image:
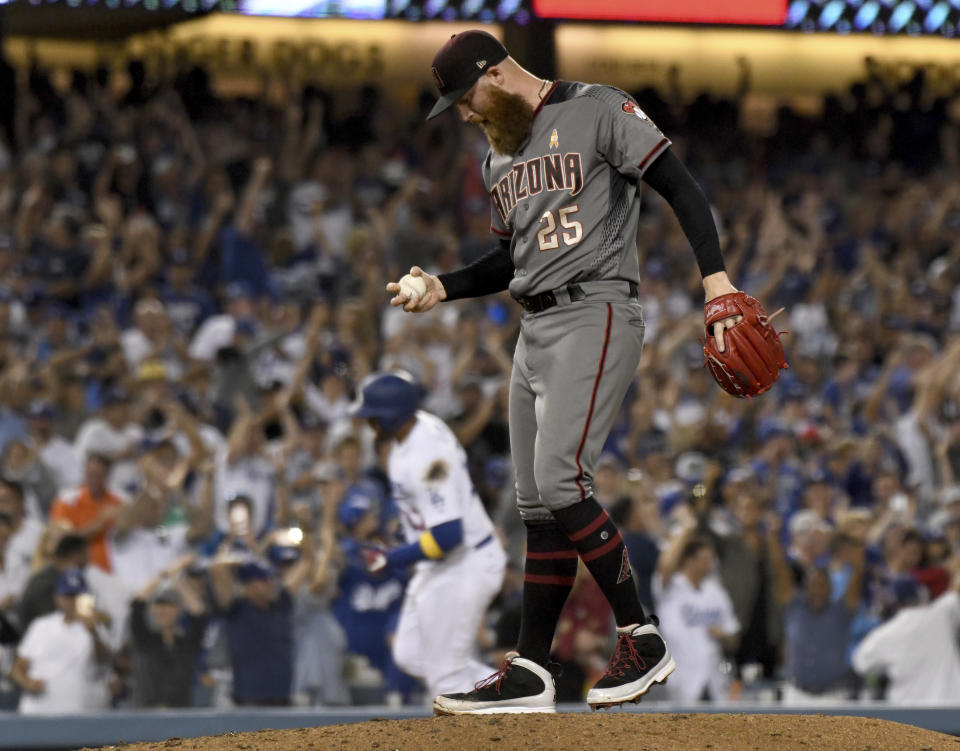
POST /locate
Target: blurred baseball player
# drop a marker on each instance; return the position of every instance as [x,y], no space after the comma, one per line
[563,172]
[368,605]
[459,561]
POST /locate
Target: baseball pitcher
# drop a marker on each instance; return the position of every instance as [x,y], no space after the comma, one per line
[564,173]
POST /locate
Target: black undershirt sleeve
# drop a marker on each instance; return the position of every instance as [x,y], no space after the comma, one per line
[488,274]
[670,178]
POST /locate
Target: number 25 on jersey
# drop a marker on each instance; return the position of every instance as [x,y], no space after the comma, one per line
[571,231]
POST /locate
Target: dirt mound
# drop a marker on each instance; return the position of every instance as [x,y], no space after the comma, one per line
[585,732]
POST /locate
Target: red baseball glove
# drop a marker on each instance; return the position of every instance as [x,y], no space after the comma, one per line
[753,356]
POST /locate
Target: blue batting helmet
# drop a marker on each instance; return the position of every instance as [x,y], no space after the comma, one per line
[391,398]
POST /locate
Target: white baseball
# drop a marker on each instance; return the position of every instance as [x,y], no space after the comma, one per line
[414,287]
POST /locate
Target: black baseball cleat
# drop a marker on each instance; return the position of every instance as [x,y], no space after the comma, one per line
[640,659]
[520,686]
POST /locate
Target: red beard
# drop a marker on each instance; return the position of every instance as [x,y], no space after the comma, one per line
[507,121]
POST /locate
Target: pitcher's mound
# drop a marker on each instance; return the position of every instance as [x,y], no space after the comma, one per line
[585,732]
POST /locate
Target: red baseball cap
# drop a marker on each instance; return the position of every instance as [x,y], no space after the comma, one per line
[460,63]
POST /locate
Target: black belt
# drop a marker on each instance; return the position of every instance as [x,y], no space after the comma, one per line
[546,300]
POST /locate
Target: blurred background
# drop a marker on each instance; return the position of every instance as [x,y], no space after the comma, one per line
[200,204]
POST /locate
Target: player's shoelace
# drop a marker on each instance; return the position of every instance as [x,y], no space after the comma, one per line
[496,678]
[625,657]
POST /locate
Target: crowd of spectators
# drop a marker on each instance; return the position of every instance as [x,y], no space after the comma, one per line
[191,286]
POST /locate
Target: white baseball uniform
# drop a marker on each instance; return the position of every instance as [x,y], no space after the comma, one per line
[686,614]
[447,598]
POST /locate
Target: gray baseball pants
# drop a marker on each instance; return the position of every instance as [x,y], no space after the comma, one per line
[571,370]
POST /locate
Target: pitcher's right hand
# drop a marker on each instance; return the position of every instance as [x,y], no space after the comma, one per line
[435,293]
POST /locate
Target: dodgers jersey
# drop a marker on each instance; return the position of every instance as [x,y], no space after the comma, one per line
[686,615]
[431,485]
[569,199]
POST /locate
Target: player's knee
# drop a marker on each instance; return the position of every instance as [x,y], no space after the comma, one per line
[527,498]
[526,487]
[530,506]
[557,484]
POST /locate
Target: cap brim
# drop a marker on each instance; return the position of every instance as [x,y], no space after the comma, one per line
[447,101]
[359,408]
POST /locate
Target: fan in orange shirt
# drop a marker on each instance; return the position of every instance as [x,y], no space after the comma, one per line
[91,510]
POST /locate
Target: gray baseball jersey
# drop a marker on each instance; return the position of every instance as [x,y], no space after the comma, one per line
[569,198]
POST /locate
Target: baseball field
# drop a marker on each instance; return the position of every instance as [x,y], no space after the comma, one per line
[576,732]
